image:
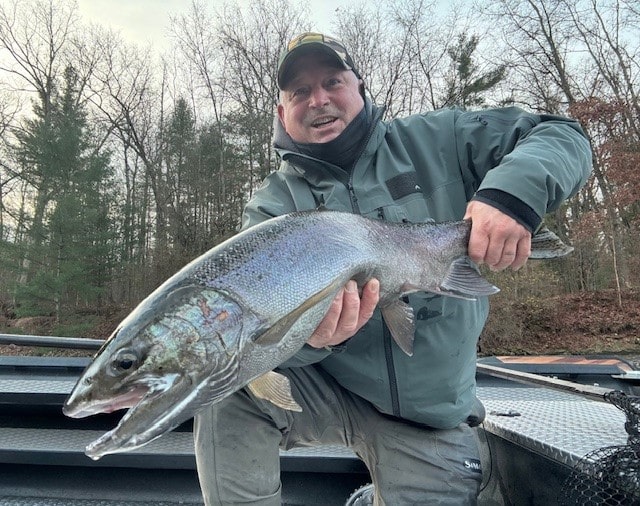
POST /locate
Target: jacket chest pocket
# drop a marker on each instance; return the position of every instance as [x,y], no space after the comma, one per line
[412,208]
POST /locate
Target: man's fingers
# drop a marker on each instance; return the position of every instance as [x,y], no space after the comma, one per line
[347,314]
[502,253]
[523,253]
[369,301]
[512,253]
[478,246]
[323,334]
[496,239]
[348,321]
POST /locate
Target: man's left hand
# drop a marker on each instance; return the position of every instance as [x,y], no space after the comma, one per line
[496,239]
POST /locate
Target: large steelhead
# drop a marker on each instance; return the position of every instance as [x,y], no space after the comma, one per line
[231,316]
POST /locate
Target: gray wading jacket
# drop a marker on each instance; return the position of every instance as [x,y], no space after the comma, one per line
[422,167]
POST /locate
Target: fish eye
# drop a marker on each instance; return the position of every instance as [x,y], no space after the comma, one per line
[124,361]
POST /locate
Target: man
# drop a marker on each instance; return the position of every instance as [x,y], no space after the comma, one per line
[408,418]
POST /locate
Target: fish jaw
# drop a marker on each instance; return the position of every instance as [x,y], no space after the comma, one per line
[168,403]
[143,422]
[156,404]
[100,392]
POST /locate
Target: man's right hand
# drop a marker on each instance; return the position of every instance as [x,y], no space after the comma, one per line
[348,314]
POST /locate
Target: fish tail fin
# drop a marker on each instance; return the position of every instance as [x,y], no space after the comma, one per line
[545,245]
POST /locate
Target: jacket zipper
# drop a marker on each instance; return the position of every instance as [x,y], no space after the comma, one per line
[391,370]
[352,194]
[388,356]
[353,198]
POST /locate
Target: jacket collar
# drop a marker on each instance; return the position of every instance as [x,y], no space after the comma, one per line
[305,164]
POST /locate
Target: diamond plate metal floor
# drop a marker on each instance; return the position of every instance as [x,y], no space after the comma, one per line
[557,425]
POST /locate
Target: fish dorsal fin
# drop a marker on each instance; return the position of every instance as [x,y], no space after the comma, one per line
[274,334]
[465,281]
[399,317]
[275,388]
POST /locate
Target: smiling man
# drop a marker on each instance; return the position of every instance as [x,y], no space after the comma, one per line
[320,100]
[410,418]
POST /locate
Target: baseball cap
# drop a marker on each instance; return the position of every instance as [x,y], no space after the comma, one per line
[311,40]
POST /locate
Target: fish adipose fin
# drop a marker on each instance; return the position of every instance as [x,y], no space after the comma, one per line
[399,318]
[275,388]
[465,281]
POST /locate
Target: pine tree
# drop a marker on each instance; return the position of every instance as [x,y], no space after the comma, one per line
[466,84]
[67,252]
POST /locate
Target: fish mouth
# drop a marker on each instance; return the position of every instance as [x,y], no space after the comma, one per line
[143,393]
[168,401]
[128,399]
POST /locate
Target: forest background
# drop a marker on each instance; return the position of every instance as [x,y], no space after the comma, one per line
[120,163]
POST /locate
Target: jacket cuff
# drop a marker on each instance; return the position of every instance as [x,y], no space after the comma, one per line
[511,206]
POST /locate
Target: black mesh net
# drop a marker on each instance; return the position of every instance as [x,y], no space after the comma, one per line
[609,476]
[630,405]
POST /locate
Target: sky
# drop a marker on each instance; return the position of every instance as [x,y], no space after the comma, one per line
[146,21]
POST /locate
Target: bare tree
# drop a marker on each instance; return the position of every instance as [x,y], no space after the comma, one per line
[233,54]
[128,103]
[9,181]
[537,38]
[34,35]
[581,56]
[252,44]
[401,49]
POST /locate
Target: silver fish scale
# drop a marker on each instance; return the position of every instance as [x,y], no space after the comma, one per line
[319,248]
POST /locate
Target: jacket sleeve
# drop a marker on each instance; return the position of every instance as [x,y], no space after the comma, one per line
[524,164]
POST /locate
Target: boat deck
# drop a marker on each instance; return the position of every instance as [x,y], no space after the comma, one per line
[49,448]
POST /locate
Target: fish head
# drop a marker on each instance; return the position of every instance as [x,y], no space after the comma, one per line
[177,347]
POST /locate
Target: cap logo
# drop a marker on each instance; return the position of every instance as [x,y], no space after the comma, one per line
[309,37]
[304,39]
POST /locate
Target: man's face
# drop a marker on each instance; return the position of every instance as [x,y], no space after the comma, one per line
[319,100]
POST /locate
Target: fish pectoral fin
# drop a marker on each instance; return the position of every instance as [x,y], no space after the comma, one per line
[274,334]
[275,388]
[399,317]
[465,281]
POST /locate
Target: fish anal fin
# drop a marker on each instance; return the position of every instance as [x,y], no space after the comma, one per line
[399,317]
[275,388]
[465,281]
